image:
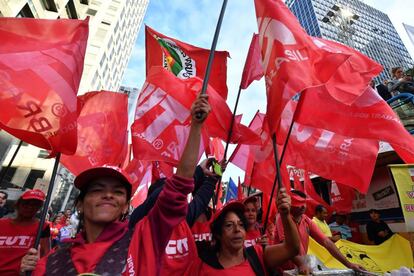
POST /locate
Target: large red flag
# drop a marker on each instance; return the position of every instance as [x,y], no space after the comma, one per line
[369,117]
[41,64]
[102,132]
[313,198]
[162,117]
[185,60]
[329,154]
[294,61]
[253,69]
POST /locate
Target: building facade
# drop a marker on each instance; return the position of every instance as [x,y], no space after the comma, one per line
[113,29]
[356,24]
[132,93]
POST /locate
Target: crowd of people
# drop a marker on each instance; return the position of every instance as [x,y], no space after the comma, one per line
[166,235]
[399,83]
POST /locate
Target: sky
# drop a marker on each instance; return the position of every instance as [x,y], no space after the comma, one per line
[194,22]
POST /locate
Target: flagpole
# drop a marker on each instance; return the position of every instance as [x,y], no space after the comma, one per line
[4,173]
[46,205]
[212,50]
[278,177]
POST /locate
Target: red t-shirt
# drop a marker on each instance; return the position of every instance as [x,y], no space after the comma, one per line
[148,240]
[201,231]
[15,241]
[199,268]
[180,251]
[251,237]
[306,227]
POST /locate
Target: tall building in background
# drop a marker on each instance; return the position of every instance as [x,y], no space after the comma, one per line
[113,29]
[356,24]
[132,93]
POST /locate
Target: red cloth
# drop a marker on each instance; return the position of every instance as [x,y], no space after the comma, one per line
[102,131]
[41,65]
[180,251]
[253,68]
[201,231]
[148,240]
[162,118]
[187,54]
[251,237]
[306,227]
[294,61]
[199,268]
[15,241]
[341,198]
[370,117]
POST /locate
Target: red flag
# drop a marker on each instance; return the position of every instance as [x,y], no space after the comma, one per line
[220,195]
[140,175]
[102,132]
[329,154]
[161,170]
[240,194]
[217,148]
[296,181]
[162,117]
[41,63]
[253,69]
[313,198]
[265,205]
[185,60]
[369,117]
[294,61]
[342,197]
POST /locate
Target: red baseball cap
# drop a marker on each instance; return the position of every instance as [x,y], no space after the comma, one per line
[85,177]
[33,194]
[230,206]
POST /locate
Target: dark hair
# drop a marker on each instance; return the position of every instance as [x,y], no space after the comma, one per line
[217,225]
[319,208]
[6,195]
[299,193]
[373,211]
[394,70]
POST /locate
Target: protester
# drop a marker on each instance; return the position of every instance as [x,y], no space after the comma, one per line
[3,200]
[68,231]
[382,90]
[253,231]
[17,235]
[377,230]
[306,229]
[321,214]
[227,254]
[55,225]
[339,226]
[181,248]
[105,244]
[400,83]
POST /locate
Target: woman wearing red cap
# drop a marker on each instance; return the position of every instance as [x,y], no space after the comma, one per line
[228,256]
[105,244]
[17,235]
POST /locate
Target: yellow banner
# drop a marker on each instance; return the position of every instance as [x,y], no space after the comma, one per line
[390,255]
[404,180]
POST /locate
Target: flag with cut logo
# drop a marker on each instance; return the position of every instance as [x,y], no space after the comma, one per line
[185,60]
[102,132]
[41,64]
[140,174]
[162,118]
[294,61]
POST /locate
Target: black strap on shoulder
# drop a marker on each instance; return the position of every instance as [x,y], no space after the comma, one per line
[254,261]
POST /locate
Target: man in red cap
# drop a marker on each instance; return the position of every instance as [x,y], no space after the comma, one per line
[17,235]
[306,227]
